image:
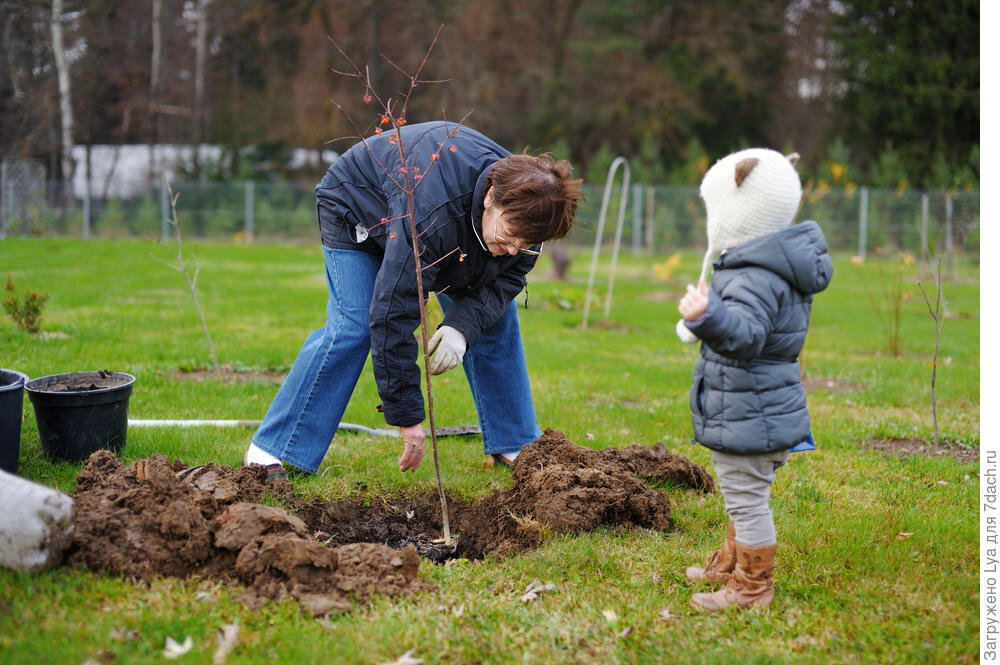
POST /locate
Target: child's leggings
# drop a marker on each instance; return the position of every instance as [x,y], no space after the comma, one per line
[745,481]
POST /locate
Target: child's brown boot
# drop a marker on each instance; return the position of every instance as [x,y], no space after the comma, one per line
[720,563]
[751,584]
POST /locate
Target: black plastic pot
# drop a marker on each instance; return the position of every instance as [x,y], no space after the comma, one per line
[11,400]
[81,412]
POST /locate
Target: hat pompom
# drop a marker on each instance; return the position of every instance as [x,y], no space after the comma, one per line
[684,334]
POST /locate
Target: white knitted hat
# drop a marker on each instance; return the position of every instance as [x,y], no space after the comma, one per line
[747,194]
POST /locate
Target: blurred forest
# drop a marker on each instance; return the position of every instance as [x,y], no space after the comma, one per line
[876,92]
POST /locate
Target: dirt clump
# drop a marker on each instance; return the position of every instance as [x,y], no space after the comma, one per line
[564,487]
[657,463]
[157,518]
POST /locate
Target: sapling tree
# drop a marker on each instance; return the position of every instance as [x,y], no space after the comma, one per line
[938,315]
[27,315]
[407,179]
[190,269]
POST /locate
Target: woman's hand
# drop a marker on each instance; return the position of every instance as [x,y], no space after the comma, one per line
[413,447]
[694,304]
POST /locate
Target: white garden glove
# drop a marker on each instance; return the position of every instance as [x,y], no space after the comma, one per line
[447,347]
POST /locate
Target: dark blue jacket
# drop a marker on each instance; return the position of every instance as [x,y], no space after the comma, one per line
[363,207]
[747,396]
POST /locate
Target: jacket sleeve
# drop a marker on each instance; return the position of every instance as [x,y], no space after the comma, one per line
[394,315]
[738,321]
[475,312]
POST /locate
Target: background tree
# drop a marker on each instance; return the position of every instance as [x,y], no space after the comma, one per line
[910,73]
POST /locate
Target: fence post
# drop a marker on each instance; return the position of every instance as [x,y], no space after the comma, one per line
[3,199]
[636,218]
[164,212]
[649,219]
[863,225]
[248,212]
[925,253]
[86,202]
[949,241]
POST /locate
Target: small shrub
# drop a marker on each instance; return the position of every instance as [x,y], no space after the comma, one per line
[29,315]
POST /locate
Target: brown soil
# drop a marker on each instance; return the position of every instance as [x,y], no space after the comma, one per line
[903,448]
[564,487]
[156,518]
[84,381]
[229,374]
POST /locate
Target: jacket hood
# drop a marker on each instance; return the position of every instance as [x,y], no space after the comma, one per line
[798,254]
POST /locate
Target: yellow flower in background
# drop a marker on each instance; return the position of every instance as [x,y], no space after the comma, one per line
[819,191]
[837,171]
[857,260]
[850,188]
[906,259]
[665,271]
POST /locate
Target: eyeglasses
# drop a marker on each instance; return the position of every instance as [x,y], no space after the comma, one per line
[507,243]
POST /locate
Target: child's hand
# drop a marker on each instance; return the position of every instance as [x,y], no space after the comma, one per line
[695,302]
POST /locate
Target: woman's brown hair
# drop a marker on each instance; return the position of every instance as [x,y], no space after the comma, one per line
[537,194]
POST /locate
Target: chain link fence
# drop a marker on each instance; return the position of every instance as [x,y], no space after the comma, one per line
[659,219]
[23,196]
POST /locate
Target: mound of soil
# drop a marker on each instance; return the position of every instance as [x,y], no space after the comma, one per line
[156,518]
[564,487]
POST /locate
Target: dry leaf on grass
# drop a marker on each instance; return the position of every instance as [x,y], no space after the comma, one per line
[174,650]
[122,635]
[903,535]
[535,588]
[225,641]
[406,659]
[610,615]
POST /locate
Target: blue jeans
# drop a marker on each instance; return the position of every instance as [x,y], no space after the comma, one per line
[304,415]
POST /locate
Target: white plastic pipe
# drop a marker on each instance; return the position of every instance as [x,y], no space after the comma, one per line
[347,427]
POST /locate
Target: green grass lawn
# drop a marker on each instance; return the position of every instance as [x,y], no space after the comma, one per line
[849,588]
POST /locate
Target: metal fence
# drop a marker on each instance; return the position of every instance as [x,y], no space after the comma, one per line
[657,218]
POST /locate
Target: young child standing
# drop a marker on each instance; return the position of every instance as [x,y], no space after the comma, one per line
[747,399]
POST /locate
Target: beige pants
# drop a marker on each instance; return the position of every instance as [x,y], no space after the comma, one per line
[745,482]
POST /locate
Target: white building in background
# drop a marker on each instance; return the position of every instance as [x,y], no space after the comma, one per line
[124,170]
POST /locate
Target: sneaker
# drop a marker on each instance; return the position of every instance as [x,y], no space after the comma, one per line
[276,472]
[491,461]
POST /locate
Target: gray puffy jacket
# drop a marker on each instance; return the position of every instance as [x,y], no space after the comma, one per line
[747,396]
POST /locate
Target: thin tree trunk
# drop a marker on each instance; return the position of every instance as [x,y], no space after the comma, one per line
[199,83]
[65,99]
[154,86]
[8,49]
